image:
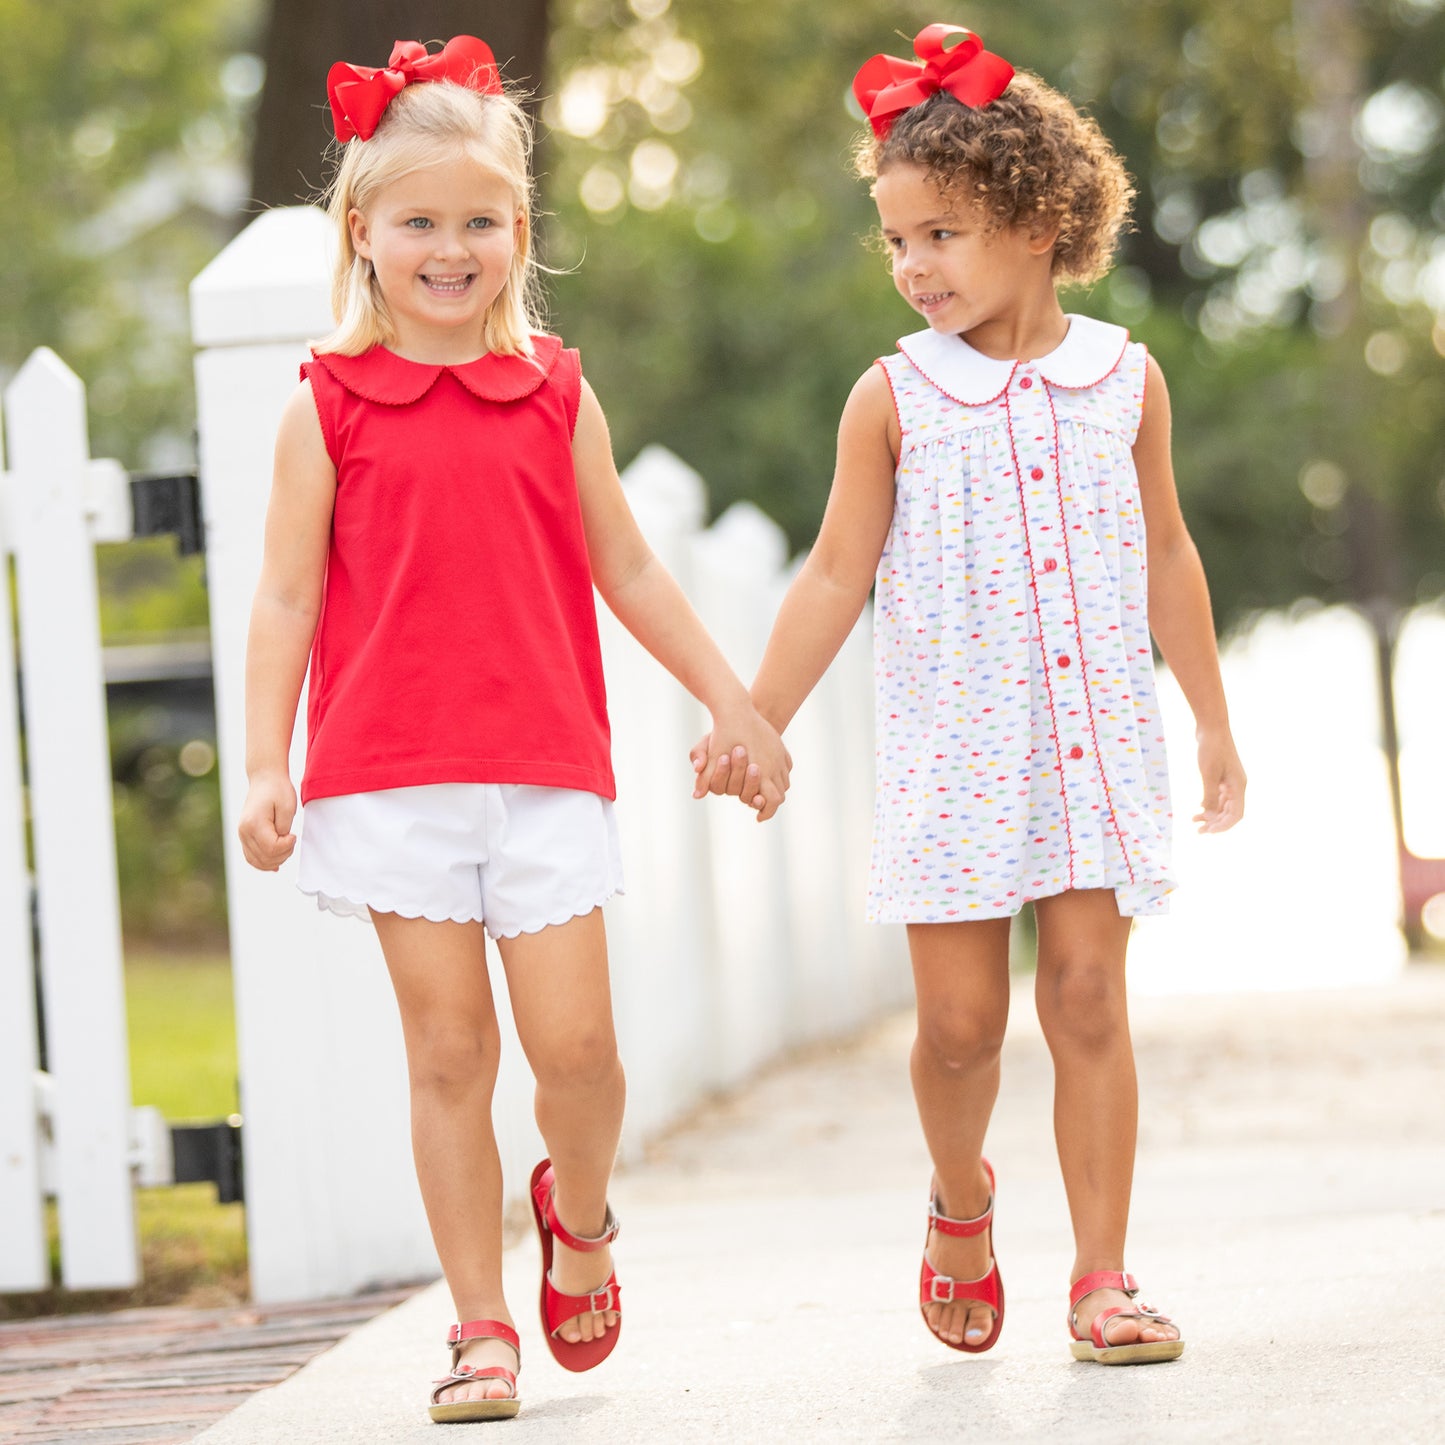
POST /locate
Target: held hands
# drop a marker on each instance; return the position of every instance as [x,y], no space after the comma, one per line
[265,827]
[1224,783]
[755,770]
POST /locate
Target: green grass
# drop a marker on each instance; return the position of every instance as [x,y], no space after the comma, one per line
[182,1027]
[182,1061]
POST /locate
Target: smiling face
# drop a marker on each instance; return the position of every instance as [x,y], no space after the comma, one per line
[956,267]
[441,241]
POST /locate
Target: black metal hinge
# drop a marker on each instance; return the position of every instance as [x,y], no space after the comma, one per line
[164,502]
[210,1152]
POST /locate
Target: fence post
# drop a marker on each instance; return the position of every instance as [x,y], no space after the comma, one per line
[331,1196]
[23,1257]
[72,820]
[661,934]
[738,564]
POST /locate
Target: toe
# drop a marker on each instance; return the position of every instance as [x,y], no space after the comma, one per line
[980,1322]
[947,1321]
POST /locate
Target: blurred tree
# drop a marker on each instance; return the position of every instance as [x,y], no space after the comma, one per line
[114,190]
[305,37]
[710,234]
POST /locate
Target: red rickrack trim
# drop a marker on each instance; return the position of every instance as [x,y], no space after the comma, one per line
[1079,645]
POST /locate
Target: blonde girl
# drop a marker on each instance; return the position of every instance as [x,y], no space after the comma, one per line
[444,503]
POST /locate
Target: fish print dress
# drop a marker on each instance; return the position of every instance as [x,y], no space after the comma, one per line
[1020,752]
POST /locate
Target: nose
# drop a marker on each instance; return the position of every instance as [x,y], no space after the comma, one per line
[908,265]
[448,244]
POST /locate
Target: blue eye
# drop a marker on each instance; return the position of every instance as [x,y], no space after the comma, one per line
[480,222]
[419,222]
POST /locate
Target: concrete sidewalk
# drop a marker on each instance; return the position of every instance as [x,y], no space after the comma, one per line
[1289,1212]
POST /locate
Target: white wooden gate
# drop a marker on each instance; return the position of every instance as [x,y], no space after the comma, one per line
[55,503]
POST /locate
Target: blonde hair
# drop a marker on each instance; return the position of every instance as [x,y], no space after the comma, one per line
[1029,158]
[425,125]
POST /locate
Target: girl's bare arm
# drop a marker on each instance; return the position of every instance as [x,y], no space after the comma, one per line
[648,602]
[283,623]
[1180,616]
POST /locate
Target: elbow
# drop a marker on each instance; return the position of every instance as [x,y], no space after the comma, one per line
[613,583]
[848,586]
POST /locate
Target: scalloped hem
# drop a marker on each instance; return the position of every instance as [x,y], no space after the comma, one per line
[562,916]
[344,907]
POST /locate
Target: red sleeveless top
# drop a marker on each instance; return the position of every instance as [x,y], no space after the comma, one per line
[458,634]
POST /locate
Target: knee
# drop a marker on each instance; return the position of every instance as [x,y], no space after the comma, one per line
[451,1063]
[959,1040]
[577,1059]
[1083,1005]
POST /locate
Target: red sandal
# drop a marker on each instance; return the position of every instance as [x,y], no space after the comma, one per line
[935,1288]
[456,1412]
[1095,1346]
[558,1308]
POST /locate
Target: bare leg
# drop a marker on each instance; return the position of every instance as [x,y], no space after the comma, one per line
[439,972]
[1083,1008]
[562,1003]
[960,975]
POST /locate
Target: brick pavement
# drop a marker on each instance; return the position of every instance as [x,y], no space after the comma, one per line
[158,1376]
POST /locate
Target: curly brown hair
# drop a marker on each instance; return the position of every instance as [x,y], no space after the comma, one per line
[1029,157]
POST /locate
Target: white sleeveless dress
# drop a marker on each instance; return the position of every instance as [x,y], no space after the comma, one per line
[1019,746]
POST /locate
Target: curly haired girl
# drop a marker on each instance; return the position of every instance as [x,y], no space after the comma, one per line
[1006,480]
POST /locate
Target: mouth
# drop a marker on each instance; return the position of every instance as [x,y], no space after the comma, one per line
[447,285]
[927,301]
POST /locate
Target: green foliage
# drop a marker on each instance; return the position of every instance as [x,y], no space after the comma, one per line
[713,242]
[725,309]
[115,126]
[167,799]
[146,587]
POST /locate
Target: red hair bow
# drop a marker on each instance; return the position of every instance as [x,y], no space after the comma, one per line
[359,94]
[953,60]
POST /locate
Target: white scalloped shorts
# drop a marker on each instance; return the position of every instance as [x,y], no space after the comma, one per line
[510,856]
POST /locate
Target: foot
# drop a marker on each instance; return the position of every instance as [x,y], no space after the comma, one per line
[1120,1330]
[961,1321]
[480,1354]
[576,1273]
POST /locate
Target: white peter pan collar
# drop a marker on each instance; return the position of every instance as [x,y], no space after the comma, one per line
[1089,351]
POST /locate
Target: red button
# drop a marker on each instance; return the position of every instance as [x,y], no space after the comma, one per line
[1027,382]
[1037,473]
[1076,751]
[1051,564]
[1063,659]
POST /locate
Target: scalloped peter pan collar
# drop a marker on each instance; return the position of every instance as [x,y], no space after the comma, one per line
[1089,351]
[382,376]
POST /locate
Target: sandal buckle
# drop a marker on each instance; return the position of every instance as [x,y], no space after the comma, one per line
[946,1284]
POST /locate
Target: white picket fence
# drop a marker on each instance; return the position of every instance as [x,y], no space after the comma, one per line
[55,503]
[732,943]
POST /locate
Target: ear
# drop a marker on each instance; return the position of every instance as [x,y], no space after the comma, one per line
[1042,242]
[360,233]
